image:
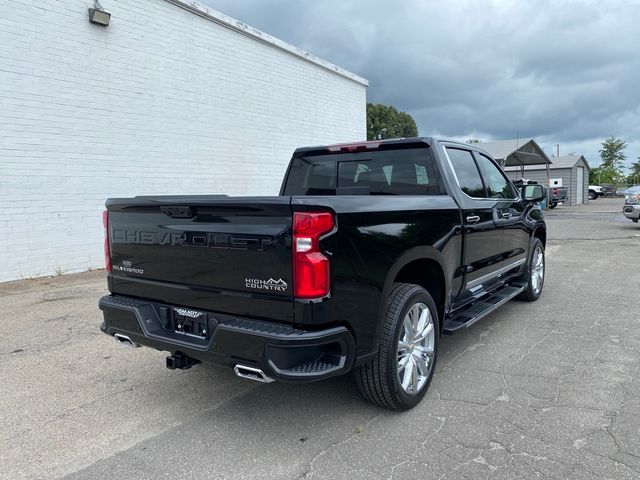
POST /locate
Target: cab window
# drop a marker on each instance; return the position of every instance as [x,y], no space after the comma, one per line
[498,186]
[467,172]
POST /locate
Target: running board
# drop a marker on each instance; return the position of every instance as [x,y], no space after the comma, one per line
[470,315]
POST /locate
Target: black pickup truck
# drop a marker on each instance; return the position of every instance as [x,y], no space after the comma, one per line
[369,254]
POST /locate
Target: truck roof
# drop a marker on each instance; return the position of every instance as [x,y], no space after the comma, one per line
[372,145]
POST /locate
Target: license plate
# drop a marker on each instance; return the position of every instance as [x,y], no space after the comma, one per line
[190,322]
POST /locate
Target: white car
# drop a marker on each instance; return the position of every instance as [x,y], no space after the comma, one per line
[596,191]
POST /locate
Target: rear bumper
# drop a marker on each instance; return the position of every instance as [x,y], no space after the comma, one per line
[282,352]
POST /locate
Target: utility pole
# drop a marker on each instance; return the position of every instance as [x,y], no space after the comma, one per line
[557,149]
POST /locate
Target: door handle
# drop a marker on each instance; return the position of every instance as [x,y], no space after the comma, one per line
[473,219]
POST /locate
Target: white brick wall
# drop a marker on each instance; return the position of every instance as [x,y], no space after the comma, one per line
[163,101]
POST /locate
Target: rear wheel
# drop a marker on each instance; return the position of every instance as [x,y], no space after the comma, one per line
[553,204]
[535,272]
[400,374]
[592,195]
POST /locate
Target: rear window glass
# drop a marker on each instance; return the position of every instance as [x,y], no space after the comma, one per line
[387,172]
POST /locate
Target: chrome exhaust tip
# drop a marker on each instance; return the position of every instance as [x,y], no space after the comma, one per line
[251,373]
[124,340]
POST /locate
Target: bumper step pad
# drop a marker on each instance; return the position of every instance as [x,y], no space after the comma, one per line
[316,366]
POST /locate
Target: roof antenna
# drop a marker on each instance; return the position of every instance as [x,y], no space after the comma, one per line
[557,149]
[517,140]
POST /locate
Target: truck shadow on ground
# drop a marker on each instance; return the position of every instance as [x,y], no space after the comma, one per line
[283,430]
[279,401]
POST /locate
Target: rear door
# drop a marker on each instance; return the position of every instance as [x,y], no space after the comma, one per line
[482,240]
[509,213]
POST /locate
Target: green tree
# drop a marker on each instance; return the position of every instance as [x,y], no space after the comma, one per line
[634,176]
[604,174]
[613,157]
[385,121]
[612,153]
[473,140]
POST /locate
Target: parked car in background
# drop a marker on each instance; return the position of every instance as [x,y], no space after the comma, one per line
[557,195]
[608,189]
[621,191]
[596,191]
[631,208]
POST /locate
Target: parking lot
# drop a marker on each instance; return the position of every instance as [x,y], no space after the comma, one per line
[544,389]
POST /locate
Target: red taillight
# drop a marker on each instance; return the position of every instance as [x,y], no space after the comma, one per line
[310,266]
[555,191]
[107,250]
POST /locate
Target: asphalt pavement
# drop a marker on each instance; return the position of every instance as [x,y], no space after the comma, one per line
[535,390]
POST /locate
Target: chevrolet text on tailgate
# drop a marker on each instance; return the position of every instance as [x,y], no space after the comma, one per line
[369,254]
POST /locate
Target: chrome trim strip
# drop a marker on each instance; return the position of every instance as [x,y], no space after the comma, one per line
[497,273]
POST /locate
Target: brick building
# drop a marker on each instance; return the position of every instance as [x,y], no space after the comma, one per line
[170,98]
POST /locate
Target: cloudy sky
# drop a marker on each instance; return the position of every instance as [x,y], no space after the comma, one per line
[564,72]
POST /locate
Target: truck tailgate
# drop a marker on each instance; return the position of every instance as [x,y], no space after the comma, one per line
[231,255]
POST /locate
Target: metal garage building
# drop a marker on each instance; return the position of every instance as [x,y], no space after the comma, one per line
[570,171]
[170,98]
[515,155]
[523,158]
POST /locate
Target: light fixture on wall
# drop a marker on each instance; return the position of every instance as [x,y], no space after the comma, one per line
[98,15]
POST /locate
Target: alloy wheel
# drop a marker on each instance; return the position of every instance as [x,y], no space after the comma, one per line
[537,270]
[416,348]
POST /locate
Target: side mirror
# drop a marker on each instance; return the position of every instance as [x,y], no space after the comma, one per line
[533,193]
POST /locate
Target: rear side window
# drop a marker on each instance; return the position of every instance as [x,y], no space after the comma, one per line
[467,172]
[497,184]
[385,172]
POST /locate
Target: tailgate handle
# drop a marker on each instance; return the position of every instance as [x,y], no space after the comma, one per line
[178,212]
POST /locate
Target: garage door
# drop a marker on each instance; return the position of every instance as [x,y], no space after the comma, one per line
[580,186]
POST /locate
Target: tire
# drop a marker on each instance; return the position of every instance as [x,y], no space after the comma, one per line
[592,195]
[553,205]
[379,379]
[534,273]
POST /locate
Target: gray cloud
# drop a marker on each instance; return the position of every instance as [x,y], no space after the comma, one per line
[560,71]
